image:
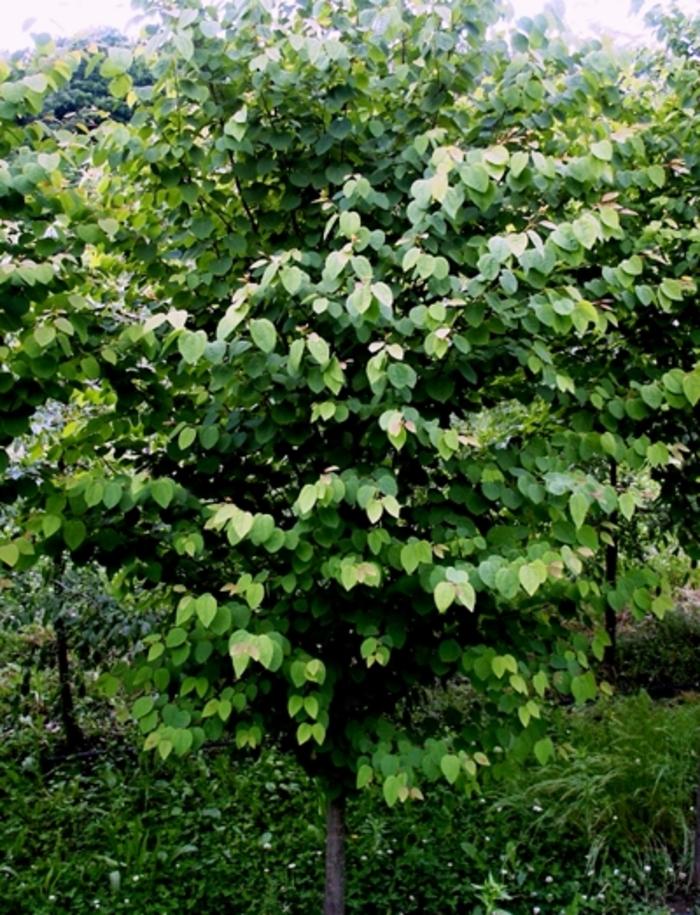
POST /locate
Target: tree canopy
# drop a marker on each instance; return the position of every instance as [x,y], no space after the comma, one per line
[368,324]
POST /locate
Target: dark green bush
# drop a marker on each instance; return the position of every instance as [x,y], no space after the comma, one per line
[662,656]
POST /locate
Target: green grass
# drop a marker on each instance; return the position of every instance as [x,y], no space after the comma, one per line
[604,829]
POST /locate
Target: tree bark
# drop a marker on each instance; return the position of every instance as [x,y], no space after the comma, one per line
[74,735]
[334,903]
[611,561]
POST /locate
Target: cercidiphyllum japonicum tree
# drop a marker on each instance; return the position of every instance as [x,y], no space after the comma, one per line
[49,328]
[677,144]
[631,393]
[341,237]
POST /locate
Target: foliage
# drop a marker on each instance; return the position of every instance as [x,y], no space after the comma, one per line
[89,97]
[661,656]
[575,837]
[99,630]
[42,245]
[330,243]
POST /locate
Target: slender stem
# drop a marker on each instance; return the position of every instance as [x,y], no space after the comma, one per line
[248,211]
[74,736]
[232,162]
[334,903]
[611,562]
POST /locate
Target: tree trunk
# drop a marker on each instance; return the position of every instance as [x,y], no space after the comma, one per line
[74,736]
[611,559]
[335,858]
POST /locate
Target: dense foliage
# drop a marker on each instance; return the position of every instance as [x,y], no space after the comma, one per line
[363,344]
[603,831]
[90,97]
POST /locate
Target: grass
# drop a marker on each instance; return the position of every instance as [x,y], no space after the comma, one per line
[603,829]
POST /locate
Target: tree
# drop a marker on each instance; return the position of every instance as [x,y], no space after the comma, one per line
[89,96]
[329,245]
[45,229]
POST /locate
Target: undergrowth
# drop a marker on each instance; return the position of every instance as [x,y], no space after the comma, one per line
[603,829]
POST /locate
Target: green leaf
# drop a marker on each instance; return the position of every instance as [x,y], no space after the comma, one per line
[108,685]
[44,335]
[544,750]
[254,595]
[292,278]
[37,82]
[391,790]
[365,774]
[205,607]
[192,345]
[93,493]
[307,499]
[241,524]
[176,637]
[118,61]
[587,230]
[165,748]
[112,494]
[651,395]
[627,503]
[444,594]
[518,163]
[450,767]
[266,651]
[466,596]
[410,558]
[9,554]
[51,524]
[633,266]
[497,155]
[540,682]
[532,575]
[74,532]
[311,706]
[672,289]
[383,294]
[264,334]
[602,150]
[163,491]
[583,687]
[476,177]
[657,454]
[109,226]
[318,349]
[691,386]
[401,375]
[186,438]
[142,707]
[230,321]
[578,508]
[183,42]
[349,223]
[657,175]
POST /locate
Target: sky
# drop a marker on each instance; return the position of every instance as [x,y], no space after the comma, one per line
[65,17]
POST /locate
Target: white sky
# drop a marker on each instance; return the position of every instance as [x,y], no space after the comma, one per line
[65,17]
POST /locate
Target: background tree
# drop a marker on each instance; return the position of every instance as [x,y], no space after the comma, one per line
[89,96]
